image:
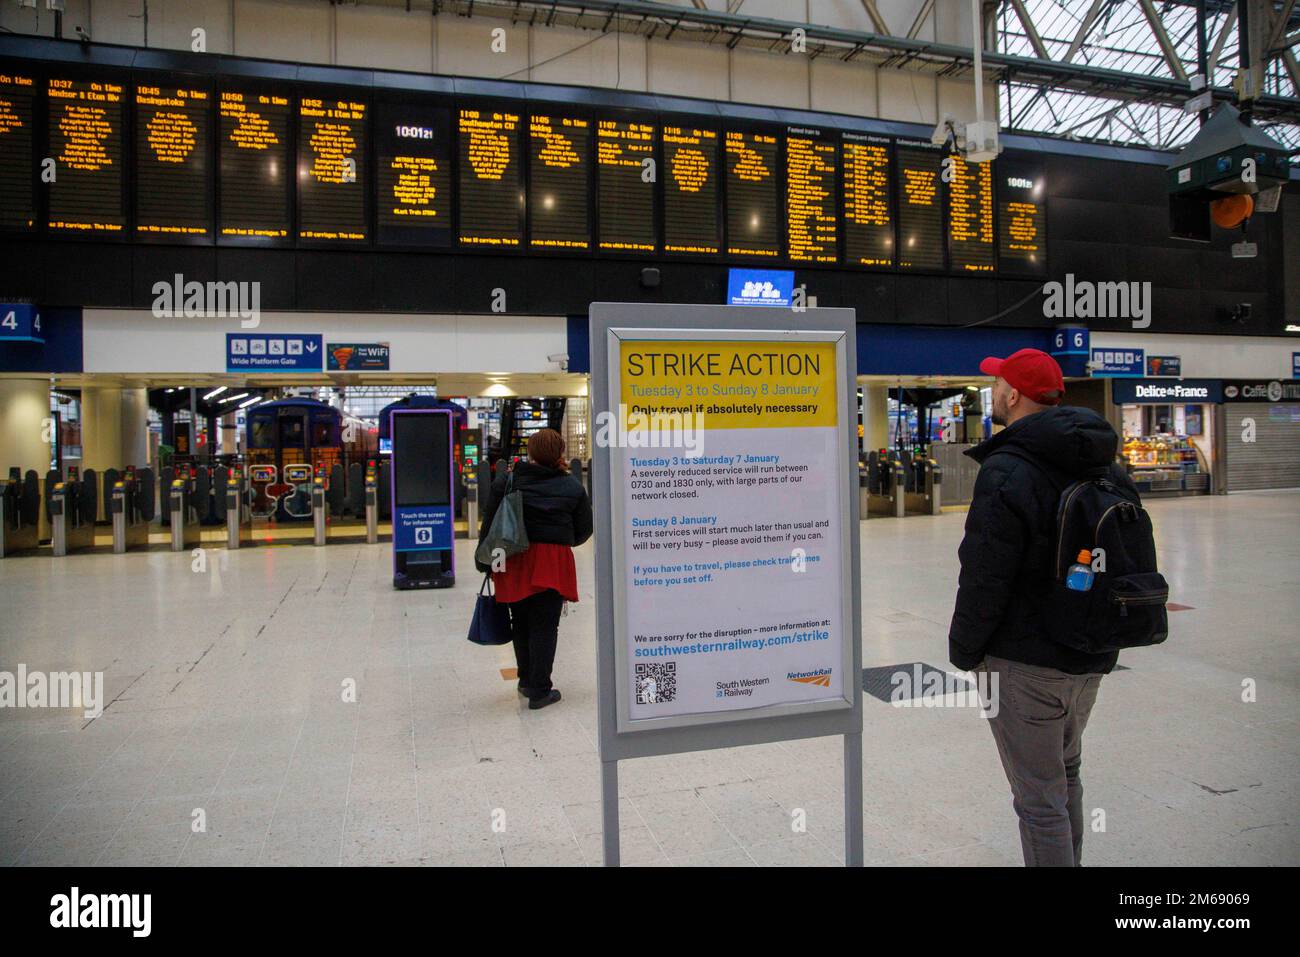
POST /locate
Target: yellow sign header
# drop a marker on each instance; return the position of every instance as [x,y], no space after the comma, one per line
[729,384]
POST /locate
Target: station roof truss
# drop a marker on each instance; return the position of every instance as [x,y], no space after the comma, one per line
[1108,71]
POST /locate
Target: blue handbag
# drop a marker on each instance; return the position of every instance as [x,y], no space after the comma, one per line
[491,623]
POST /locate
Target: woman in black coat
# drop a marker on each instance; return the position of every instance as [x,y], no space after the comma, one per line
[535,583]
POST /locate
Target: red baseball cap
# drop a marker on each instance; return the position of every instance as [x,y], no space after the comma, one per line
[1031,372]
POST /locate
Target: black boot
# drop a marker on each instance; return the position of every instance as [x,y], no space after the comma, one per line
[549,698]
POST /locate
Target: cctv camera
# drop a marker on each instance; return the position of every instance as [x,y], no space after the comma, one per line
[82,35]
[948,131]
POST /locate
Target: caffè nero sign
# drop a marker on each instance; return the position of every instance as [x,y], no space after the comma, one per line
[1271,390]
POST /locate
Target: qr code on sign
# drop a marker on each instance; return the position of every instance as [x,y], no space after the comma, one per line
[656,683]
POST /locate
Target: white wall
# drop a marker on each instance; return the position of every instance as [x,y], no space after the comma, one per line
[134,341]
[387,37]
[1212,357]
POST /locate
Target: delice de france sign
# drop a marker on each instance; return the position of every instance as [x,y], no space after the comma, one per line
[729,554]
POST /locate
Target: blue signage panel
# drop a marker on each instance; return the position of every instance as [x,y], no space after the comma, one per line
[1168,366]
[1119,362]
[1070,349]
[20,322]
[1166,392]
[273,352]
[356,356]
[1295,365]
[760,287]
[422,527]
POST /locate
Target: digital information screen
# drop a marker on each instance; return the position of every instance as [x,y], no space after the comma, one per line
[491,207]
[86,146]
[413,155]
[17,109]
[1022,217]
[626,189]
[171,162]
[558,166]
[752,199]
[690,190]
[920,212]
[423,468]
[332,181]
[970,216]
[811,196]
[253,154]
[868,203]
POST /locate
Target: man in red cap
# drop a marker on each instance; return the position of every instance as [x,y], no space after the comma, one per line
[1041,692]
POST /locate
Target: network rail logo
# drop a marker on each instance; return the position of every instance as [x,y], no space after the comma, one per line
[820,677]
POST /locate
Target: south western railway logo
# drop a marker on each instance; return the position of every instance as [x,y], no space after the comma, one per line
[821,677]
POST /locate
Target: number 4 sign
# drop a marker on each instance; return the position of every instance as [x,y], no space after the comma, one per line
[20,322]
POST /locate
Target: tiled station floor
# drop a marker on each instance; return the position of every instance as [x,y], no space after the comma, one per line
[226,689]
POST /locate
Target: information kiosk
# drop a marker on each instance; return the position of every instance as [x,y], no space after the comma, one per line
[423,534]
[727,583]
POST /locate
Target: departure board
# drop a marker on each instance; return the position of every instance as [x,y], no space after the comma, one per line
[868,204]
[558,166]
[811,195]
[491,203]
[1022,217]
[413,156]
[690,190]
[920,206]
[332,182]
[626,188]
[85,125]
[172,198]
[253,153]
[970,216]
[752,195]
[17,110]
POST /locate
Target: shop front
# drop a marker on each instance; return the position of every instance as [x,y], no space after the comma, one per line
[1170,445]
[1261,433]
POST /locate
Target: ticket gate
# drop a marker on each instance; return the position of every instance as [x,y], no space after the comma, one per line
[318,509]
[882,486]
[925,497]
[129,496]
[182,518]
[293,498]
[372,505]
[20,512]
[234,506]
[71,506]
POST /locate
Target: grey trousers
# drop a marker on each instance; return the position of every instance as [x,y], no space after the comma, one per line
[1038,728]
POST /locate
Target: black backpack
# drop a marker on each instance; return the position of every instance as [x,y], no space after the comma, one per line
[1125,607]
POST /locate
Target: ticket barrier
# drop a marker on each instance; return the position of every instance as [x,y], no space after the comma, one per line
[294,494]
[71,506]
[130,506]
[927,499]
[182,518]
[20,512]
[882,488]
[318,506]
[235,506]
[372,504]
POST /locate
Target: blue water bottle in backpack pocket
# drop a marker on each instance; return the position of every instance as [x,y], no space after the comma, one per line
[1081,575]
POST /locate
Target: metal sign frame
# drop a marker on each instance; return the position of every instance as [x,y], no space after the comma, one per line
[620,738]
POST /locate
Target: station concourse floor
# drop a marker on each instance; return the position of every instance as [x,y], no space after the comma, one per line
[224,691]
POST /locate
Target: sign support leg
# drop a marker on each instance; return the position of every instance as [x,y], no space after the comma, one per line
[853,799]
[609,811]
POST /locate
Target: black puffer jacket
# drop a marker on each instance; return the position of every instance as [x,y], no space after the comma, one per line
[556,506]
[1008,554]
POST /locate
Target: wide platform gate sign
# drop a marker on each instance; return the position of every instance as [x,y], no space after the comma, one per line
[727,557]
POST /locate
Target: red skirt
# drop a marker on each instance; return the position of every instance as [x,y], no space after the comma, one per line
[542,566]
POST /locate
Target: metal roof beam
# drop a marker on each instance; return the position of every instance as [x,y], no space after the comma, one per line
[1030,30]
[1162,37]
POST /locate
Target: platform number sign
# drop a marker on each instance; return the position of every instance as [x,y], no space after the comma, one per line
[20,322]
[1070,349]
